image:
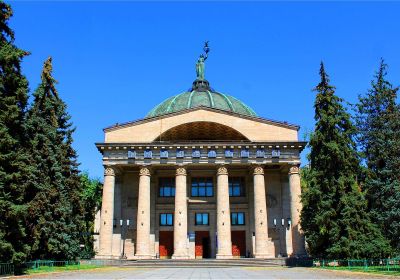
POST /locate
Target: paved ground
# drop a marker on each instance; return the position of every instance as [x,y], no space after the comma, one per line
[207,273]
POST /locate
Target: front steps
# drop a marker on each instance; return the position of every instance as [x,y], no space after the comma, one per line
[205,263]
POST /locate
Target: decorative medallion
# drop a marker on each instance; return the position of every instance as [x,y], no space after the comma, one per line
[222,170]
[109,171]
[181,171]
[258,170]
[294,170]
[144,171]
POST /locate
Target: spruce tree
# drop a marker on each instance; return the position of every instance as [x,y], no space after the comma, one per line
[55,219]
[13,157]
[378,123]
[334,216]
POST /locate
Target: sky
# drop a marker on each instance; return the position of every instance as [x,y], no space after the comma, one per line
[115,61]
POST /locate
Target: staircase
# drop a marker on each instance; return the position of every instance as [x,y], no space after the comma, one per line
[205,263]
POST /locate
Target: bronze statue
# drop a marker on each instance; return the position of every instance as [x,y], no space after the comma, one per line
[200,62]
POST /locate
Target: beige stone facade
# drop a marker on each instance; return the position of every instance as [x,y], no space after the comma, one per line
[233,195]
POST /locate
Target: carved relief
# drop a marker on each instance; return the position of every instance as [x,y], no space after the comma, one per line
[258,170]
[109,171]
[181,171]
[144,171]
[222,170]
[294,170]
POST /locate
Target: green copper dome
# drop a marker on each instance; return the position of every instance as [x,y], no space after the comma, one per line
[201,95]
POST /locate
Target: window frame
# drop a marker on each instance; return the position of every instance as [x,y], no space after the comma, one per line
[172,186]
[202,186]
[166,220]
[202,219]
[237,218]
[242,186]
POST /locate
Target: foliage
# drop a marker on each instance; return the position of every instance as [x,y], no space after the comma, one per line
[13,156]
[334,215]
[55,208]
[378,123]
[91,199]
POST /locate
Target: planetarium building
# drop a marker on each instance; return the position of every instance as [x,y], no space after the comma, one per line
[201,176]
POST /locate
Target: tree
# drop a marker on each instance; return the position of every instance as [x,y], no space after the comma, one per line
[91,198]
[378,123]
[55,219]
[334,215]
[13,156]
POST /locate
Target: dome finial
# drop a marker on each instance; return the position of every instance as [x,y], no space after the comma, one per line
[200,62]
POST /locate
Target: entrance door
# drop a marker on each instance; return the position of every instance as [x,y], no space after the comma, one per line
[166,241]
[239,243]
[202,244]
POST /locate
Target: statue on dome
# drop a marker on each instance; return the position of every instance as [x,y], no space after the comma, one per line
[200,62]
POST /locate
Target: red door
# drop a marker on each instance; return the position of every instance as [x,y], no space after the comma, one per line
[166,241]
[202,244]
[239,243]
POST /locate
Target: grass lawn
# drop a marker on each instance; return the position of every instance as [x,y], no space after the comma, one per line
[46,269]
[371,269]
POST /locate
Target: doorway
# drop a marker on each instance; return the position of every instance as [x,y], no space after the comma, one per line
[202,244]
[239,243]
[166,244]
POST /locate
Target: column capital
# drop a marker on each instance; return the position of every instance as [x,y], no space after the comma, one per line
[222,170]
[294,169]
[144,171]
[258,170]
[181,171]
[109,171]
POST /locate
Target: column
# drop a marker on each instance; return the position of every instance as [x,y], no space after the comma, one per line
[298,243]
[107,214]
[143,216]
[224,250]
[180,216]
[264,247]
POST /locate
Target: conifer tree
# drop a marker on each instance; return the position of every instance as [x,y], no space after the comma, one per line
[334,217]
[55,218]
[378,123]
[13,157]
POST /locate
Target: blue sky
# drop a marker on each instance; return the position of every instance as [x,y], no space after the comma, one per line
[116,61]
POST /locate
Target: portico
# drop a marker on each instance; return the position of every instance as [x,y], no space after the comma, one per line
[201,176]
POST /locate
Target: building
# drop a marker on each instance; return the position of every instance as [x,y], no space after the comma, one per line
[201,176]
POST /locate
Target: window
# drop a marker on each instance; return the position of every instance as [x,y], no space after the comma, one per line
[202,187]
[166,219]
[166,187]
[201,219]
[237,186]
[237,218]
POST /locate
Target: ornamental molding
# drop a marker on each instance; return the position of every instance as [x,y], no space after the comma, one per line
[222,170]
[181,171]
[109,171]
[258,170]
[294,170]
[144,171]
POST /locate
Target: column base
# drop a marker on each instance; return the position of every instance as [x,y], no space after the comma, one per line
[267,252]
[223,256]
[264,256]
[144,257]
[104,257]
[180,257]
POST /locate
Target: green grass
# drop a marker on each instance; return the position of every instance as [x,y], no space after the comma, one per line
[46,269]
[371,269]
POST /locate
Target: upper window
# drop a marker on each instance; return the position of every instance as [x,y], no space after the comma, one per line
[201,219]
[237,186]
[202,187]
[166,187]
[166,219]
[237,218]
